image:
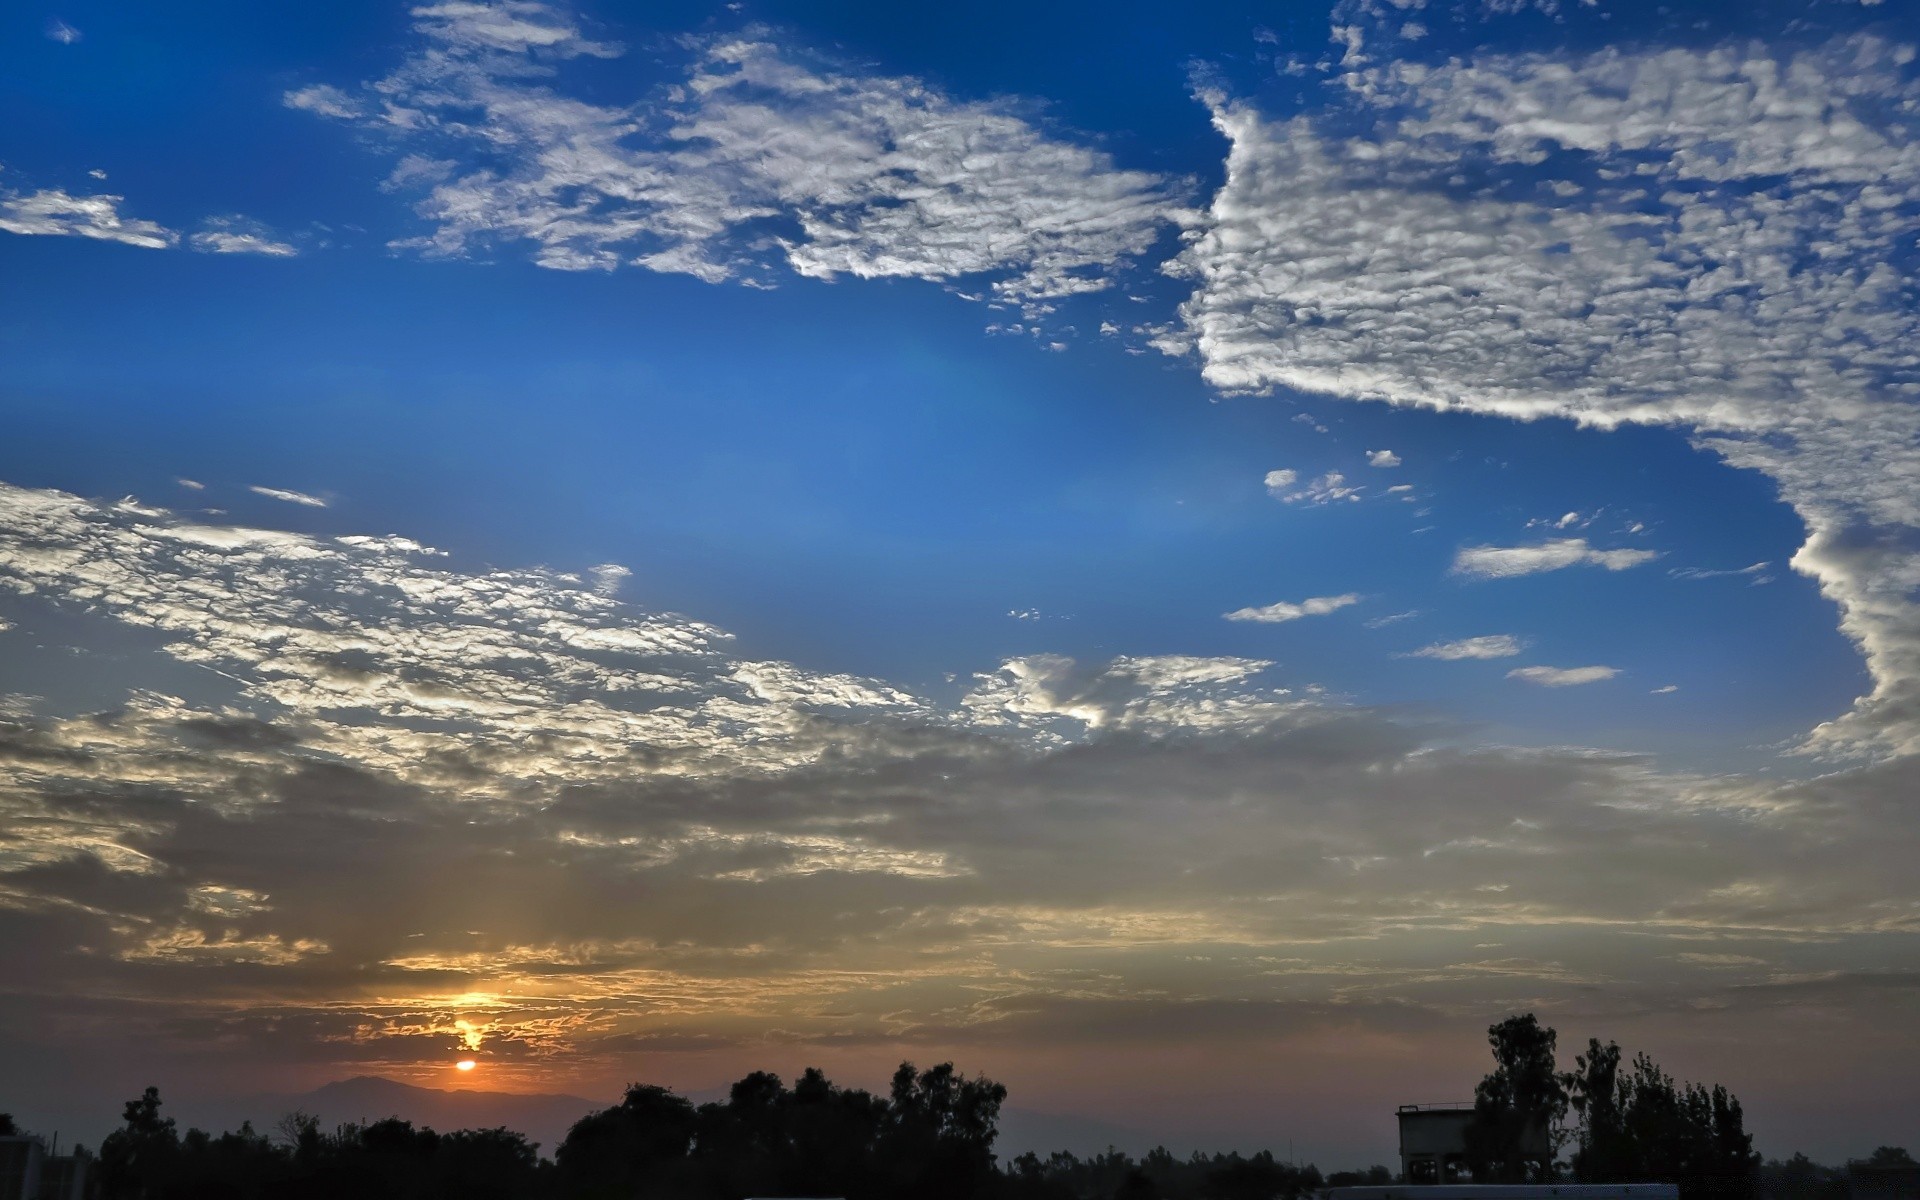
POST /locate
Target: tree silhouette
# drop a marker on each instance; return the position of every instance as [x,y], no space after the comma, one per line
[1517,1108]
[630,1149]
[1639,1126]
[137,1159]
[1603,1151]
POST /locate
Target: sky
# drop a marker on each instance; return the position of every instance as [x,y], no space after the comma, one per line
[1186,557]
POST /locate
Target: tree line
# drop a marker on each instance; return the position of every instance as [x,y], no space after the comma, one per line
[1635,1125]
[931,1137]
[1630,1123]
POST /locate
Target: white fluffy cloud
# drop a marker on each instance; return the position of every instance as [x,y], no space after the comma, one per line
[1496,645]
[1382,458]
[1563,676]
[841,173]
[1317,606]
[53,212]
[1501,562]
[1719,238]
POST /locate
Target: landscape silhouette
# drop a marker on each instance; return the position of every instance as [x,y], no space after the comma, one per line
[932,1135]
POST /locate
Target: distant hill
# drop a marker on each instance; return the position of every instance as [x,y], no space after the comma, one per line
[543,1118]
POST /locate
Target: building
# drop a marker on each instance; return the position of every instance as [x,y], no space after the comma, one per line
[28,1172]
[1433,1143]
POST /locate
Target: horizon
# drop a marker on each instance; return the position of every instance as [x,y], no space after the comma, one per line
[1185,561]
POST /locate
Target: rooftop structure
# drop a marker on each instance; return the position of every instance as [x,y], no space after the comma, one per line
[1433,1143]
[28,1172]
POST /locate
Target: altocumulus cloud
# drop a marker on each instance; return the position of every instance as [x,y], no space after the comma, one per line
[845,173]
[662,844]
[1621,259]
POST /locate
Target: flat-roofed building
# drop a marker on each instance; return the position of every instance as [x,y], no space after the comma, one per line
[1433,1143]
[28,1172]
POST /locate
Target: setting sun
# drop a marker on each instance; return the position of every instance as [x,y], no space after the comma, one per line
[465,1064]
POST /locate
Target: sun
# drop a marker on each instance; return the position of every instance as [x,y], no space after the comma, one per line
[465,1064]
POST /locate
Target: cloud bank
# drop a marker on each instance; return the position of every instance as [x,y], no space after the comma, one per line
[752,158]
[1715,238]
[588,831]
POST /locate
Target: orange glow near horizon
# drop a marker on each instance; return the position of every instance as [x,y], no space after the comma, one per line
[465,1064]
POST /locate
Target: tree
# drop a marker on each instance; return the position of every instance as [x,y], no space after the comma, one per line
[622,1151]
[937,1139]
[1890,1156]
[138,1159]
[1518,1107]
[1603,1153]
[486,1164]
[1640,1126]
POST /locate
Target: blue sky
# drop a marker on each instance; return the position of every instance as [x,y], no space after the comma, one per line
[955,374]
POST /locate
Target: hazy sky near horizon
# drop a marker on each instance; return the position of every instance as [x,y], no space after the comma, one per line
[1186,557]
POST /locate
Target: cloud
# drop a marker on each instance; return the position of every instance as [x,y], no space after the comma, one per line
[1382,458]
[1666,690]
[322,100]
[1505,562]
[191,484]
[1754,569]
[589,831]
[1324,490]
[511,26]
[1283,611]
[1392,619]
[291,497]
[53,212]
[1601,237]
[756,158]
[59,31]
[239,235]
[1563,676]
[1278,482]
[609,577]
[1497,645]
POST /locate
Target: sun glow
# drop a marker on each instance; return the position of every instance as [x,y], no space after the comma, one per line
[465,1064]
